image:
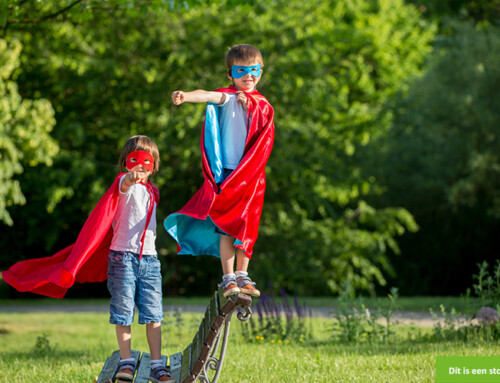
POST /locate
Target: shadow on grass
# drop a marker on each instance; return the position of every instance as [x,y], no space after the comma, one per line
[35,355]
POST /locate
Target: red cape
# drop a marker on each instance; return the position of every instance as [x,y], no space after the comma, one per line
[84,261]
[234,206]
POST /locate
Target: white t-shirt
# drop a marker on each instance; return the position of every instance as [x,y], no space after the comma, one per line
[233,126]
[130,221]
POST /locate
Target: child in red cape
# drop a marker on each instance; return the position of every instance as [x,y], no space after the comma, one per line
[117,242]
[222,218]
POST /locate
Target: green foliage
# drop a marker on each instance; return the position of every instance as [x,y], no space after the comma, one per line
[355,322]
[42,345]
[441,161]
[476,10]
[25,127]
[454,326]
[329,69]
[16,14]
[333,66]
[487,286]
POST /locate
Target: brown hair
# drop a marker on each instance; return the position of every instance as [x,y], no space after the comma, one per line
[139,143]
[244,53]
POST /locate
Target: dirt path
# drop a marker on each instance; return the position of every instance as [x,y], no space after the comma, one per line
[405,317]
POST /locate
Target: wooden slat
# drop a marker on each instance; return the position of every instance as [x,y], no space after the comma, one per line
[219,294]
[221,299]
[218,322]
[198,343]
[210,338]
[206,318]
[233,301]
[144,369]
[197,367]
[186,363]
[175,366]
[204,353]
[137,356]
[214,311]
[244,300]
[142,375]
[109,369]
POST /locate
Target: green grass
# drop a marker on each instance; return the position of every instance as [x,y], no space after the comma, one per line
[60,347]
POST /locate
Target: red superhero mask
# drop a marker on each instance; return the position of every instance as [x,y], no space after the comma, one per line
[140,157]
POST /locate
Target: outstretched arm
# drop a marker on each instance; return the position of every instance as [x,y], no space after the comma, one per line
[200,95]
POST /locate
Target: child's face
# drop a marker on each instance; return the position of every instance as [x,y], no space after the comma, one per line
[248,82]
[140,162]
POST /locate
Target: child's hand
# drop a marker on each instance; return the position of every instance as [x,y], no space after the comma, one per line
[131,179]
[178,97]
[242,99]
[136,177]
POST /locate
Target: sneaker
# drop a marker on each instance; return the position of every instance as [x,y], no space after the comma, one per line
[230,287]
[160,374]
[247,286]
[126,371]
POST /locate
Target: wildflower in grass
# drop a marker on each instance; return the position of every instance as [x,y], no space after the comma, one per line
[278,320]
[487,316]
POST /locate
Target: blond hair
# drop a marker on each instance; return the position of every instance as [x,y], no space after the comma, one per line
[139,143]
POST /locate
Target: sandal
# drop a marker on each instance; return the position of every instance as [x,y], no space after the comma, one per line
[126,371]
[160,374]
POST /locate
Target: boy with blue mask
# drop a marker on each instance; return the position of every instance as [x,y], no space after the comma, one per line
[222,218]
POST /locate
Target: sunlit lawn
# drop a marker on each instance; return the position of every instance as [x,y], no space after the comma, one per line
[64,346]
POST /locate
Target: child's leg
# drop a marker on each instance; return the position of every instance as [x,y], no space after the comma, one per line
[227,260]
[242,260]
[126,367]
[159,372]
[227,254]
[246,285]
[153,333]
[124,336]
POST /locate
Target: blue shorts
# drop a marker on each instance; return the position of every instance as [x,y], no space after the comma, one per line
[133,281]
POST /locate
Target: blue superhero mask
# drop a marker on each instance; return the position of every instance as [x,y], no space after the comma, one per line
[238,71]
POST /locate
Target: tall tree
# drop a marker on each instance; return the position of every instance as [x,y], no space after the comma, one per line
[441,162]
[25,127]
[329,69]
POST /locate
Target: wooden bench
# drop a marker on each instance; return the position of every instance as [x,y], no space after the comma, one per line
[143,363]
[202,355]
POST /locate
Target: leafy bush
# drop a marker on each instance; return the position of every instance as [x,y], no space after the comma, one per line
[354,322]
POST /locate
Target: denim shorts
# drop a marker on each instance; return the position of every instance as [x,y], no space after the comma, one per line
[133,281]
